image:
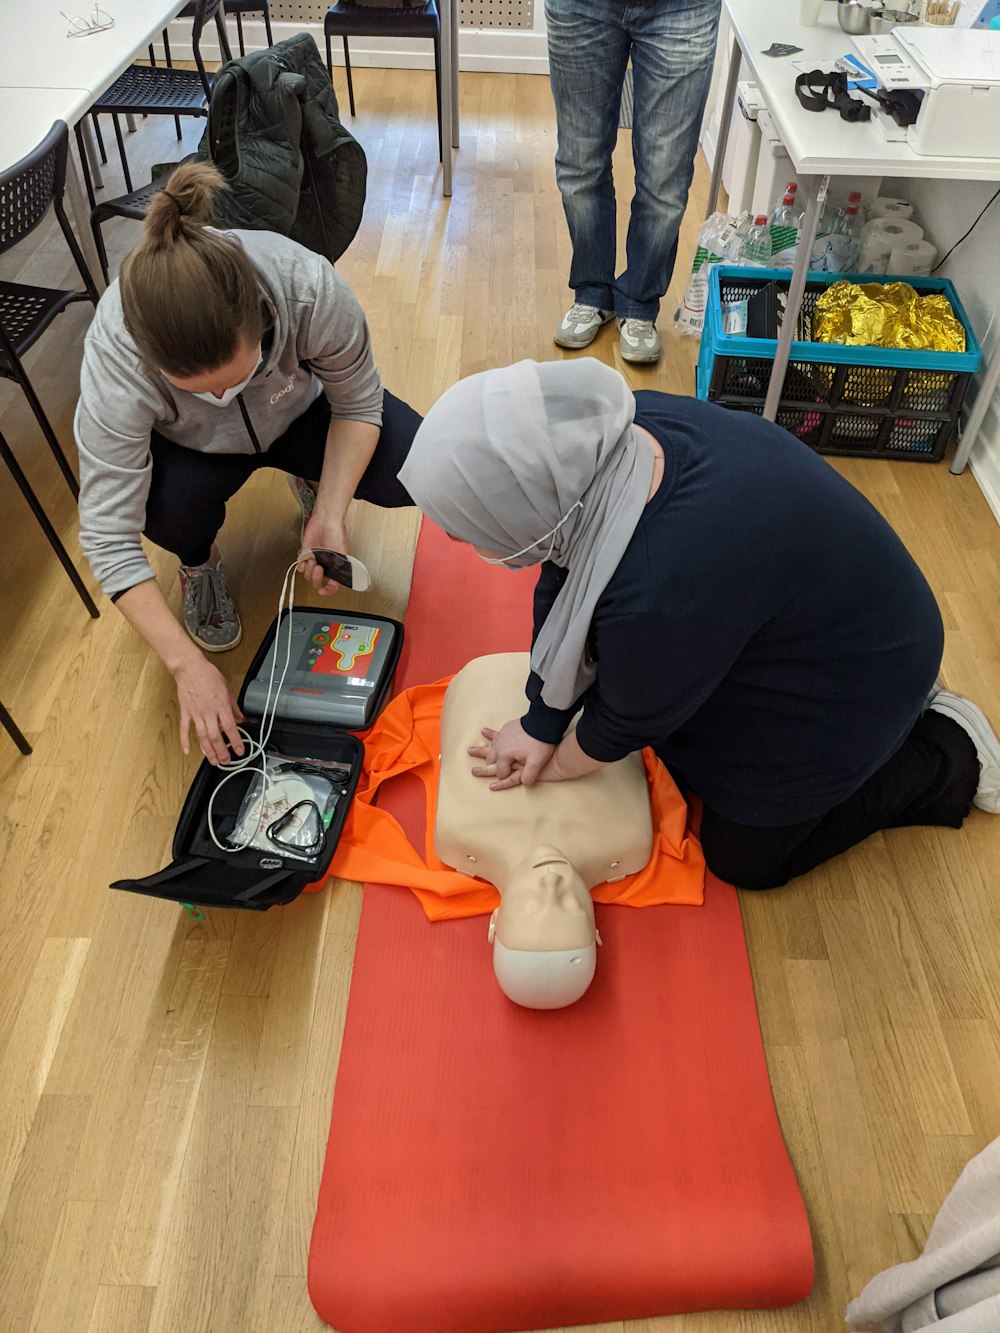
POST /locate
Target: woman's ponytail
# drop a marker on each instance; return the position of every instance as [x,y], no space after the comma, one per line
[189,294]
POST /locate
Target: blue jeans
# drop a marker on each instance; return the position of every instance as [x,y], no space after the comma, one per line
[672,45]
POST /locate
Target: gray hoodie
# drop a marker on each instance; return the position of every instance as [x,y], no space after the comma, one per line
[320,345]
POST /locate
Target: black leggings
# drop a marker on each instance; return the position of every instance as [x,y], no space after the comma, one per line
[931,779]
[189,490]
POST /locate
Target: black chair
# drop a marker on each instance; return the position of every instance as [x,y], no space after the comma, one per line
[27,190]
[132,205]
[347,20]
[162,90]
[13,731]
[24,486]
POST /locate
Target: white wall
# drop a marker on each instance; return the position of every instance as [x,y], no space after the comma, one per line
[946,209]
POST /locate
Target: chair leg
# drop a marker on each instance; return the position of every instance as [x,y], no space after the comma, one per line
[13,731]
[50,532]
[88,181]
[121,150]
[43,421]
[102,254]
[100,139]
[239,33]
[170,65]
[267,23]
[437,89]
[329,57]
[350,81]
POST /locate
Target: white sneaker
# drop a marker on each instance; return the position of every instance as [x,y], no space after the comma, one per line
[639,340]
[580,325]
[976,724]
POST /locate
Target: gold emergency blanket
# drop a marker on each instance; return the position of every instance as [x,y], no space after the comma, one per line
[891,314]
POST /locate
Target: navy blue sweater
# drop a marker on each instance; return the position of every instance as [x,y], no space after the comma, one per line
[766,631]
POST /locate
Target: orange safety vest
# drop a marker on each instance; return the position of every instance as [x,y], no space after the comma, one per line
[374,849]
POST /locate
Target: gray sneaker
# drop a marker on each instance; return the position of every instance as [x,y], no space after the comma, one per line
[209,614]
[640,341]
[305,495]
[580,325]
[974,722]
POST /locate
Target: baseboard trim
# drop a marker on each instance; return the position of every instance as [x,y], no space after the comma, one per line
[481,50]
[985,465]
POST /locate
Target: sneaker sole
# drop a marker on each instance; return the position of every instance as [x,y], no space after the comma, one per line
[216,647]
[641,358]
[298,500]
[971,718]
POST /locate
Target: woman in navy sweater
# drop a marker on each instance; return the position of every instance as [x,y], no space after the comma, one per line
[713,589]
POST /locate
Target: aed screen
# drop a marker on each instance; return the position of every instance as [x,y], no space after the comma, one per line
[341,649]
[890,60]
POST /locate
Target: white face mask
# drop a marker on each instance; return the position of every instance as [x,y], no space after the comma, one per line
[507,559]
[230,394]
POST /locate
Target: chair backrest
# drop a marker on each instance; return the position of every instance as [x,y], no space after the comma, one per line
[204,11]
[29,187]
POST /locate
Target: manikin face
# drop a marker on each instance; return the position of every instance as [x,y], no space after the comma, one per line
[545,905]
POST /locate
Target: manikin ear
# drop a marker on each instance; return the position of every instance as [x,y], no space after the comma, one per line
[492,934]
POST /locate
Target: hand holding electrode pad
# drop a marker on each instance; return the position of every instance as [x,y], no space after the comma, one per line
[346,570]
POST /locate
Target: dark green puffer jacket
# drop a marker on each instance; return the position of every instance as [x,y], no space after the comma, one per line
[274,132]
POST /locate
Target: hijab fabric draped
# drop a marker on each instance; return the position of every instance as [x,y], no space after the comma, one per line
[502,457]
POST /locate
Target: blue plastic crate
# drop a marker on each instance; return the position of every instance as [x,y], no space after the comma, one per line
[857,401]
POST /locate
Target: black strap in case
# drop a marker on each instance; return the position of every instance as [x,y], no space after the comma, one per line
[254,879]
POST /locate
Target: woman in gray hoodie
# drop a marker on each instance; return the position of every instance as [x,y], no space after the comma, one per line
[214,354]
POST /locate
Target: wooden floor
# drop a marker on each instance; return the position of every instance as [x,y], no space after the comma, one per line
[165,1086]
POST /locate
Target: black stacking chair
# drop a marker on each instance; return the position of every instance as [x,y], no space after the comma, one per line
[27,190]
[162,90]
[24,486]
[13,731]
[347,20]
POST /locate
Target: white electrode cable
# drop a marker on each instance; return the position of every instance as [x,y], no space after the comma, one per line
[255,749]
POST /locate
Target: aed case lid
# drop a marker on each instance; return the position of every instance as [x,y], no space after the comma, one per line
[202,873]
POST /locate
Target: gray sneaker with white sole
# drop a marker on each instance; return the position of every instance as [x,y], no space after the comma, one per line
[640,342]
[208,612]
[580,325]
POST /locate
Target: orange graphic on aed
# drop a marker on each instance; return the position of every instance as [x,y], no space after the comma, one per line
[341,649]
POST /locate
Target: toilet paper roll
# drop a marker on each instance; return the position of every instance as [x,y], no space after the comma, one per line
[885,207]
[913,258]
[880,237]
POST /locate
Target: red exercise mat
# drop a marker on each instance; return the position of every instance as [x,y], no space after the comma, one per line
[492,1168]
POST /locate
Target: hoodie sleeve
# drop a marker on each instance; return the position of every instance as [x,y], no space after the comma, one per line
[114,418]
[334,339]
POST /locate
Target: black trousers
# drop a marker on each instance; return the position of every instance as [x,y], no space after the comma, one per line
[189,490]
[931,779]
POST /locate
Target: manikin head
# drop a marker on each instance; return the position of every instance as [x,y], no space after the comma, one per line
[543,933]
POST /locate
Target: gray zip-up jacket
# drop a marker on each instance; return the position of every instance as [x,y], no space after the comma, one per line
[320,345]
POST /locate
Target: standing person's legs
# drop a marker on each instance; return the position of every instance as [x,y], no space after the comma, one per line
[673,46]
[931,779]
[588,55]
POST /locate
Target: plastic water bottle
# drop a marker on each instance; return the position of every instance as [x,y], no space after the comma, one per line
[845,243]
[784,224]
[756,249]
[855,198]
[798,209]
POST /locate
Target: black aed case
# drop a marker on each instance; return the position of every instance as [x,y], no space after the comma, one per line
[201,873]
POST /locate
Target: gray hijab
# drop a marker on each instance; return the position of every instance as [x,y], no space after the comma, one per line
[535,455]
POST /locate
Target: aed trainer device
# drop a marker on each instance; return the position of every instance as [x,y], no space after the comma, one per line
[338,668]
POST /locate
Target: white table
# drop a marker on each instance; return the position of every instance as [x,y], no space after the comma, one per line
[47,76]
[820,145]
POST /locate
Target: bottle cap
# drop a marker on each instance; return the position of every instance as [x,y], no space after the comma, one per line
[760,220]
[788,199]
[791,187]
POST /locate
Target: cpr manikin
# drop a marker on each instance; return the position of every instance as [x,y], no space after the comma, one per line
[544,847]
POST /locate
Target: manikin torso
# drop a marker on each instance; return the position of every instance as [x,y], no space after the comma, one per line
[544,847]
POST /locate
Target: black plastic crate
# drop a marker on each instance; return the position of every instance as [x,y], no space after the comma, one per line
[852,401]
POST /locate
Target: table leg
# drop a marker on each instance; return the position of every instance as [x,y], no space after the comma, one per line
[726,115]
[93,157]
[987,390]
[80,208]
[447,92]
[454,72]
[807,234]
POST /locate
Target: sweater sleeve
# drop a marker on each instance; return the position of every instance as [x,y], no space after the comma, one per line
[542,721]
[114,417]
[334,340]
